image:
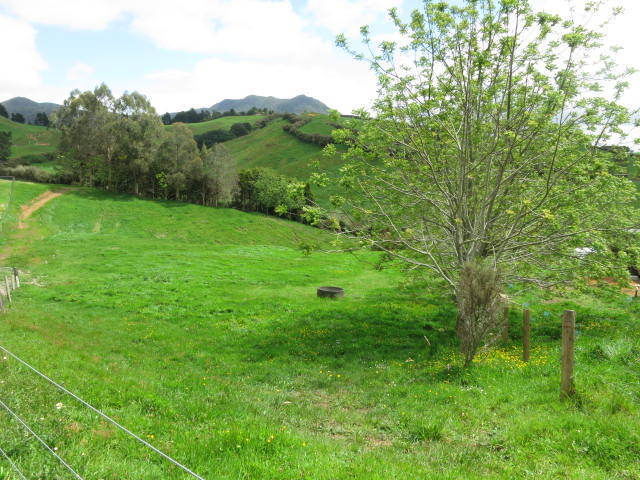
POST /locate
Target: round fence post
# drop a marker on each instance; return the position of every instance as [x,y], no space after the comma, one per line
[526,335]
[567,387]
[505,324]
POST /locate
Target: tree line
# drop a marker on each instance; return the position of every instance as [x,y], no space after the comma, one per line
[41,119]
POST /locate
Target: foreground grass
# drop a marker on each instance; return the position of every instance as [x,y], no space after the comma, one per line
[29,139]
[199,329]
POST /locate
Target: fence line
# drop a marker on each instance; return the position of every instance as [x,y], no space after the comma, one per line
[14,415]
[103,415]
[13,465]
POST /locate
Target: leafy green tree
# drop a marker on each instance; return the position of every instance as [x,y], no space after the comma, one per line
[41,119]
[177,150]
[166,119]
[88,140]
[17,117]
[479,160]
[220,175]
[108,141]
[240,129]
[3,111]
[213,136]
[5,146]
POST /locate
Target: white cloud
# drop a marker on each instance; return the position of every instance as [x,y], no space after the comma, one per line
[347,16]
[80,72]
[22,64]
[344,84]
[74,14]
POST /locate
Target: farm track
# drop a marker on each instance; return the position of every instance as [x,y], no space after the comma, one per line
[37,204]
[26,211]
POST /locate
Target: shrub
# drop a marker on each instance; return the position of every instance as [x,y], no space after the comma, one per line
[240,129]
[212,137]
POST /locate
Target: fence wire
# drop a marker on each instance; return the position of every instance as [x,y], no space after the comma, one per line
[103,415]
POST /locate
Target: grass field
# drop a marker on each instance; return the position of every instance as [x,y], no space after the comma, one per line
[200,330]
[29,139]
[222,123]
[274,148]
[319,124]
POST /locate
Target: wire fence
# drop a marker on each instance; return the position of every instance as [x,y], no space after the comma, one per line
[9,283]
[13,465]
[103,415]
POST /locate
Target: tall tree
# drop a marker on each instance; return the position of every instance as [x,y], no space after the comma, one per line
[3,111]
[108,141]
[17,117]
[166,119]
[177,150]
[41,119]
[220,174]
[88,140]
[5,146]
[479,162]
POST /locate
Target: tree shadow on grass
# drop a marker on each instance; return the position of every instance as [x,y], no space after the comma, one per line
[384,329]
[97,194]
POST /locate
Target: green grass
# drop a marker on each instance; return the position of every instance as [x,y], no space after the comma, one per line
[29,139]
[222,123]
[199,329]
[319,124]
[274,148]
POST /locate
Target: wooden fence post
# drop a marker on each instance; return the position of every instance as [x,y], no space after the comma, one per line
[505,324]
[16,277]
[7,289]
[568,338]
[526,335]
[1,304]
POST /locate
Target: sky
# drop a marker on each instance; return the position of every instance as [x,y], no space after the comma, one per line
[194,53]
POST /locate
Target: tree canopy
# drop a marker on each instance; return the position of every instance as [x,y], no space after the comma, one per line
[480,154]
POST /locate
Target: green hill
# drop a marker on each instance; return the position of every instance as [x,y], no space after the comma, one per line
[29,139]
[199,329]
[222,123]
[28,108]
[274,148]
[299,104]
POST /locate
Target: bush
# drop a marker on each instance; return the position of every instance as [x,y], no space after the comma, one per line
[35,174]
[214,136]
[240,129]
[31,159]
[294,129]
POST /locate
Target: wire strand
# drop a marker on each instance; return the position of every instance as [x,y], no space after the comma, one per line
[13,465]
[14,415]
[103,415]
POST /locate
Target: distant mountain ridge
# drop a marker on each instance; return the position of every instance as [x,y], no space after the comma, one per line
[299,104]
[28,108]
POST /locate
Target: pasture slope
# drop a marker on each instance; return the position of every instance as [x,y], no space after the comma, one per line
[29,139]
[274,148]
[199,329]
[222,123]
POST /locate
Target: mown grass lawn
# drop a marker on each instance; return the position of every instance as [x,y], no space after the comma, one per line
[200,330]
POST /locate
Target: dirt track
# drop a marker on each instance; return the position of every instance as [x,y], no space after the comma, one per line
[37,204]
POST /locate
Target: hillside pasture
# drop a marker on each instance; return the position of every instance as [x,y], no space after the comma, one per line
[29,139]
[222,123]
[199,329]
